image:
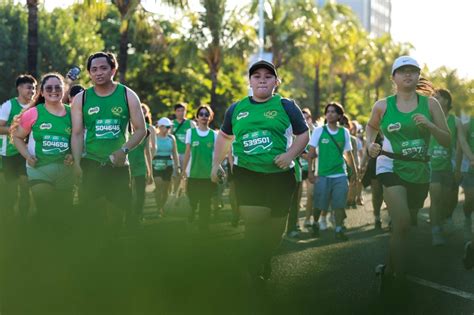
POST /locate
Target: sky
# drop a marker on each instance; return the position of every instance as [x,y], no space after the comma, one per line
[439,30]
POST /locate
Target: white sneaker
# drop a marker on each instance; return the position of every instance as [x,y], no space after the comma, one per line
[332,219]
[294,234]
[323,225]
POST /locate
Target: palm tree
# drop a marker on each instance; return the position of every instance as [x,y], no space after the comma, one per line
[32,59]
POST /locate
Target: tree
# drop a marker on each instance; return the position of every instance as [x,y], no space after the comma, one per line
[32,36]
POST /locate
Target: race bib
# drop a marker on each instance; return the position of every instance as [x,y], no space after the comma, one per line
[54,145]
[181,137]
[414,148]
[159,165]
[257,142]
[440,152]
[107,129]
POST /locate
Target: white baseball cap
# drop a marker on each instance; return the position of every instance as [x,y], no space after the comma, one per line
[164,122]
[404,61]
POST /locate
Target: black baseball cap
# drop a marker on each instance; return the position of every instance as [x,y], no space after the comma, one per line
[263,64]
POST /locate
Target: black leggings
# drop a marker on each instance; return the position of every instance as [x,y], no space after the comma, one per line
[200,191]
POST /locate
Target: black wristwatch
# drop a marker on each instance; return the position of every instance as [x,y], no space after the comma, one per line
[125,150]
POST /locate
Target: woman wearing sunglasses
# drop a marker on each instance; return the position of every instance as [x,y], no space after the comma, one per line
[197,165]
[46,123]
[164,157]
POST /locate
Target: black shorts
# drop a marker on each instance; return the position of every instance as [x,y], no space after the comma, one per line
[416,193]
[304,175]
[164,174]
[270,190]
[99,180]
[14,166]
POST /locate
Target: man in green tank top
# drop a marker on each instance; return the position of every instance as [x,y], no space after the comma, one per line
[13,162]
[334,157]
[180,126]
[445,171]
[100,139]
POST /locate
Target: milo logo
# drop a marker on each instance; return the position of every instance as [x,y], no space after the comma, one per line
[325,141]
[195,143]
[242,115]
[54,145]
[394,127]
[93,110]
[46,126]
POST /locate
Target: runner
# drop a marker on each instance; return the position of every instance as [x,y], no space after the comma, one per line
[197,165]
[13,162]
[260,130]
[47,126]
[165,156]
[407,120]
[141,169]
[309,188]
[443,186]
[335,159]
[180,127]
[100,142]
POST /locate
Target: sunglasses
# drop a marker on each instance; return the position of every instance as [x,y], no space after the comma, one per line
[167,127]
[204,114]
[51,88]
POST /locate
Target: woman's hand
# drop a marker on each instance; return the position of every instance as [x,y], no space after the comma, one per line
[68,160]
[31,160]
[283,161]
[374,150]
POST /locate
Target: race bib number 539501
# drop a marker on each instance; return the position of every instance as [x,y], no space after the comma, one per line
[257,142]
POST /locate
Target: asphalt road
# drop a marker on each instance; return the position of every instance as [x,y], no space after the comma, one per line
[167,267]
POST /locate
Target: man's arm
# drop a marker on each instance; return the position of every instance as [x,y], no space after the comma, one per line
[4,113]
[77,135]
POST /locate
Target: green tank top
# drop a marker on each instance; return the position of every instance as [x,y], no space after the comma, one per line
[441,157]
[180,134]
[404,137]
[470,140]
[51,136]
[137,159]
[330,159]
[202,149]
[261,133]
[106,120]
[164,151]
[15,110]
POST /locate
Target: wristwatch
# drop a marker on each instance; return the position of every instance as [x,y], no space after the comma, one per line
[125,150]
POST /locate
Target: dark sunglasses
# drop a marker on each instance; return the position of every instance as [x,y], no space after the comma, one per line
[168,127]
[204,114]
[51,88]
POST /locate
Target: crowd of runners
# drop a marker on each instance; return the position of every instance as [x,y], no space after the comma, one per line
[100,146]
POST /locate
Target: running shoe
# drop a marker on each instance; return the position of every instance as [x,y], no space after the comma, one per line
[332,219]
[323,224]
[438,239]
[340,236]
[468,259]
[293,234]
[315,228]
[307,224]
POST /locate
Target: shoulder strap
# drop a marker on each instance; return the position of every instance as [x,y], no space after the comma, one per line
[180,125]
[334,140]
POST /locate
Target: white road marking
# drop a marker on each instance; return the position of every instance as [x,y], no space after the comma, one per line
[442,288]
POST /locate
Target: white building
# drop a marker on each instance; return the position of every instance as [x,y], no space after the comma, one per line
[375,15]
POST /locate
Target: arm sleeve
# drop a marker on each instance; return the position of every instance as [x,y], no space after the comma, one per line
[5,110]
[227,124]
[188,137]
[28,119]
[298,123]
[348,145]
[315,136]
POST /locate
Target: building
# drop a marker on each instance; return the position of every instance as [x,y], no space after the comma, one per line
[375,15]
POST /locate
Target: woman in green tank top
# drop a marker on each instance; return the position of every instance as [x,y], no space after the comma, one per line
[197,166]
[407,120]
[47,125]
[140,165]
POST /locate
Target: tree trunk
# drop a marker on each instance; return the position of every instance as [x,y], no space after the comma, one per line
[214,103]
[123,52]
[32,61]
[344,80]
[317,93]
